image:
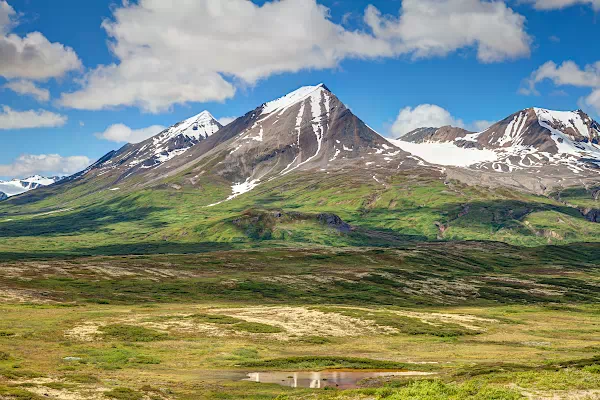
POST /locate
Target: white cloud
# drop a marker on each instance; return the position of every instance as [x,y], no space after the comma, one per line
[44,164]
[12,119]
[32,56]
[121,133]
[7,13]
[205,47]
[423,116]
[428,28]
[28,88]
[432,116]
[568,74]
[480,126]
[593,100]
[226,120]
[560,4]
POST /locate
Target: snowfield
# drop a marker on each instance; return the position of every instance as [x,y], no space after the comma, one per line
[446,153]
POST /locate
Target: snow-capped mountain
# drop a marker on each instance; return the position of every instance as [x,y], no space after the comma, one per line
[18,186]
[149,154]
[307,129]
[532,141]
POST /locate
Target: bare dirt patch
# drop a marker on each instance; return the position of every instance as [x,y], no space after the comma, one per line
[87,332]
[22,296]
[564,395]
[465,320]
[300,321]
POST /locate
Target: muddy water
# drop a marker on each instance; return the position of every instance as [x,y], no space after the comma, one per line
[342,379]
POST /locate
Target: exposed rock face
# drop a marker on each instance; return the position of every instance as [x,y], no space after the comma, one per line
[334,221]
[3,196]
[443,134]
[592,215]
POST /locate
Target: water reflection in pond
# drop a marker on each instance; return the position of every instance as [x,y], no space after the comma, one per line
[342,379]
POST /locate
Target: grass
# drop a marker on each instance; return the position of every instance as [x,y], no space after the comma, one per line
[256,327]
[437,390]
[198,363]
[124,394]
[414,275]
[128,333]
[15,393]
[406,325]
[216,319]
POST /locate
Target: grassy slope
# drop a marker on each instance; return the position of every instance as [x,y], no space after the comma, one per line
[406,207]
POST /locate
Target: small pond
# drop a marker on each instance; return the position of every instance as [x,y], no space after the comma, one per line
[341,379]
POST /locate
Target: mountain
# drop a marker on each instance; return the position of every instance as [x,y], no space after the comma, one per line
[313,173]
[531,141]
[307,129]
[19,186]
[137,158]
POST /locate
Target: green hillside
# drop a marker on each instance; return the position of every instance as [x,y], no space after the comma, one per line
[415,205]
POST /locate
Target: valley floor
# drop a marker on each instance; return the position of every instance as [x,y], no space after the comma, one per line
[471,320]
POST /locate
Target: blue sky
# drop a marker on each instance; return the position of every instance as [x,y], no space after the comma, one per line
[386,70]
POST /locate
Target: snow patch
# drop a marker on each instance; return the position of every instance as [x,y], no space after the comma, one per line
[446,153]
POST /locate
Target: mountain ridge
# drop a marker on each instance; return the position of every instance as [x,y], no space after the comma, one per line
[17,186]
[532,140]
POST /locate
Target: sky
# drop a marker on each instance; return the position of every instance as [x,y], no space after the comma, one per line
[81,78]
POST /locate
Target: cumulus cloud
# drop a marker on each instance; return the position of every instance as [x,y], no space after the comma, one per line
[423,116]
[28,88]
[121,133]
[12,119]
[568,74]
[226,120]
[428,28]
[7,13]
[480,126]
[32,56]
[432,116]
[593,100]
[44,164]
[560,4]
[204,48]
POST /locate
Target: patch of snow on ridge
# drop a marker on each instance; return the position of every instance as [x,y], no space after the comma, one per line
[285,102]
[18,186]
[570,119]
[446,153]
[40,180]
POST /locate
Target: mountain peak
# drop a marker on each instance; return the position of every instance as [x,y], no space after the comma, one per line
[205,116]
[283,103]
[199,126]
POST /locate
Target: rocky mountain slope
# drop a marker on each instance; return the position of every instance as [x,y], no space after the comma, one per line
[172,142]
[307,129]
[529,140]
[535,149]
